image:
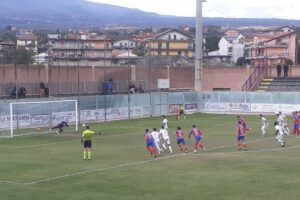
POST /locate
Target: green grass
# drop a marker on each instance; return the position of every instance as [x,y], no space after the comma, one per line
[118,171]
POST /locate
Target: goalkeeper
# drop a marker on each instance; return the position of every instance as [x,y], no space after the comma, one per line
[60,127]
[87,143]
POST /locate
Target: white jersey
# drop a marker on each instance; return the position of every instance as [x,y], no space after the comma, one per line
[164,134]
[279,129]
[264,121]
[155,135]
[165,123]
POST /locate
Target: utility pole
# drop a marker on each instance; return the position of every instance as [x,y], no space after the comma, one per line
[198,46]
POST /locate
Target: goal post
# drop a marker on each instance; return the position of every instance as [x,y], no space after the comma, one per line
[28,118]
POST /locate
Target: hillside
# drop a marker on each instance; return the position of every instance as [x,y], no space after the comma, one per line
[84,14]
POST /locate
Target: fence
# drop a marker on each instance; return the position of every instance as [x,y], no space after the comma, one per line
[113,107]
[71,88]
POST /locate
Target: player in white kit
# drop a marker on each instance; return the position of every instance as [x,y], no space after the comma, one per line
[165,123]
[279,134]
[282,121]
[264,125]
[166,139]
[156,138]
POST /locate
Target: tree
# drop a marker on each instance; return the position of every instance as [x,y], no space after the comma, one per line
[18,56]
[139,50]
[212,42]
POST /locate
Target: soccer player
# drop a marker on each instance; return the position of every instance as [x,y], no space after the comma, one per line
[243,122]
[241,135]
[150,143]
[156,138]
[296,130]
[181,112]
[87,143]
[282,121]
[60,127]
[279,134]
[180,140]
[166,139]
[264,125]
[198,136]
[165,122]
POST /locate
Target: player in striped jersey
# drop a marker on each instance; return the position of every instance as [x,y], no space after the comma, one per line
[150,142]
[180,140]
[241,135]
[198,136]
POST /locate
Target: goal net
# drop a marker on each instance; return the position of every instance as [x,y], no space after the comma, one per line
[27,118]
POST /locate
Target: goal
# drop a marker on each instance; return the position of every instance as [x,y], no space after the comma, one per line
[28,118]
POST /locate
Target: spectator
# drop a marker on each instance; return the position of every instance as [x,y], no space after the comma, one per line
[140,88]
[13,93]
[47,92]
[22,93]
[278,70]
[105,87]
[132,88]
[110,86]
[42,89]
[285,70]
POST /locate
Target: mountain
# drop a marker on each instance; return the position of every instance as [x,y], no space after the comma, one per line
[65,14]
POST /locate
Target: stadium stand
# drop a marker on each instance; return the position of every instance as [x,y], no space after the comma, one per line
[285,84]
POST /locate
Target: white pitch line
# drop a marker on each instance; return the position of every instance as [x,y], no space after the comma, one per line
[251,151]
[63,142]
[139,163]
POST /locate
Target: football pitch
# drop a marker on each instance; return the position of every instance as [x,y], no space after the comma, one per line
[50,166]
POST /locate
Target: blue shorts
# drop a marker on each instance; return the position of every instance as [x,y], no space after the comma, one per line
[296,126]
[241,138]
[198,138]
[87,144]
[181,141]
[150,143]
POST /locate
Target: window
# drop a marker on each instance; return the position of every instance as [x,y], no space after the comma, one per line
[221,89]
[175,37]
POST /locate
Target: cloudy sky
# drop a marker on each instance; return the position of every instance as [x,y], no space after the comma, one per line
[286,9]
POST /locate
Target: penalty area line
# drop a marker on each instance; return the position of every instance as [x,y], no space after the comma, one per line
[64,142]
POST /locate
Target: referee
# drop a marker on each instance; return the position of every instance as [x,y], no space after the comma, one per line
[87,143]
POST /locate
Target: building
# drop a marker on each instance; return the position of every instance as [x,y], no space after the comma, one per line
[28,41]
[274,48]
[171,43]
[75,49]
[40,58]
[231,44]
[143,37]
[125,44]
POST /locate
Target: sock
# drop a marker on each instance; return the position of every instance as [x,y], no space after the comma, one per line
[154,152]
[84,154]
[164,146]
[170,148]
[149,149]
[89,154]
[201,146]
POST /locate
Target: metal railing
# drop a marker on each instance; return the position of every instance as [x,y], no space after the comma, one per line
[256,76]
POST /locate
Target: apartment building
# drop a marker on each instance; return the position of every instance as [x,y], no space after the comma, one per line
[73,49]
